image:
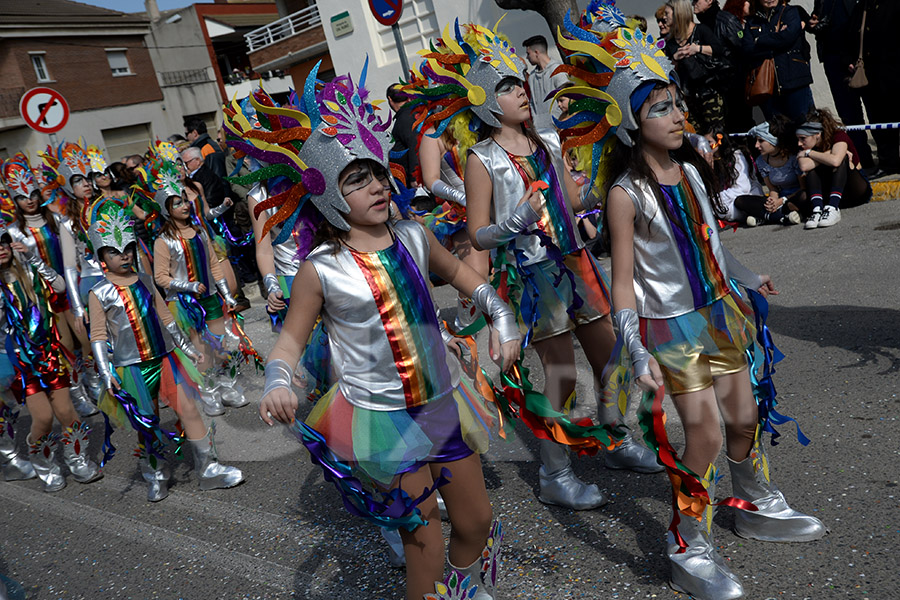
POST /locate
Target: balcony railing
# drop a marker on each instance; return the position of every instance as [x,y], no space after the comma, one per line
[299,22]
[185,77]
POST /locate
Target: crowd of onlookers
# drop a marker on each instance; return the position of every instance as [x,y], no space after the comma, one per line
[208,162]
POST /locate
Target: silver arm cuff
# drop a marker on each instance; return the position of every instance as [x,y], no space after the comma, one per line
[441,189]
[504,321]
[738,271]
[101,362]
[278,375]
[43,269]
[188,287]
[270,282]
[182,341]
[495,235]
[218,211]
[630,330]
[71,276]
[222,286]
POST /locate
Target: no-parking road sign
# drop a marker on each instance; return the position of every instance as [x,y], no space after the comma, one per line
[44,110]
[386,12]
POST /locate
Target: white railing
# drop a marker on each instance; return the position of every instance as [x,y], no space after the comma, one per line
[300,21]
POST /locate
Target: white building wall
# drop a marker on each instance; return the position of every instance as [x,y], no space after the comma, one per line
[422,18]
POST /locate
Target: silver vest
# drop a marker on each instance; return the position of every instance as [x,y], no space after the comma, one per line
[26,238]
[88,266]
[118,326]
[178,263]
[661,286]
[509,188]
[285,253]
[361,354]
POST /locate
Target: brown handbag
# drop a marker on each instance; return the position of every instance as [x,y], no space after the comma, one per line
[761,80]
[859,79]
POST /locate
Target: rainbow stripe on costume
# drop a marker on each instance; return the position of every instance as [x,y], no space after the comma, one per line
[692,235]
[453,159]
[48,246]
[555,221]
[142,316]
[409,320]
[197,260]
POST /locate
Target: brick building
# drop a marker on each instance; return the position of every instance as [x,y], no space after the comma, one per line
[96,58]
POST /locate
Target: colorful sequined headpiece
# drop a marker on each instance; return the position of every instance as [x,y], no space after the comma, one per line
[112,227]
[311,145]
[66,161]
[97,160]
[18,176]
[158,178]
[7,208]
[607,63]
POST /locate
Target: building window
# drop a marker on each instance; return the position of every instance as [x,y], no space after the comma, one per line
[118,62]
[124,141]
[40,66]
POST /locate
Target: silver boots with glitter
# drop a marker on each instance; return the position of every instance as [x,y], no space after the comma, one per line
[774,520]
[228,393]
[629,454]
[83,405]
[212,474]
[14,466]
[699,571]
[209,399]
[155,472]
[483,572]
[75,447]
[43,459]
[559,485]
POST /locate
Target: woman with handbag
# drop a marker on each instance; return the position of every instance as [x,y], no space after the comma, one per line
[778,54]
[701,66]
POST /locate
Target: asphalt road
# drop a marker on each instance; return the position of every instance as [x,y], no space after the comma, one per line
[283,533]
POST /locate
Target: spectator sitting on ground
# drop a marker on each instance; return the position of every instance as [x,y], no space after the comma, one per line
[195,132]
[831,163]
[542,81]
[735,174]
[778,166]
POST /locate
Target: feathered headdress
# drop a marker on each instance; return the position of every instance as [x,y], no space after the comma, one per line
[607,62]
[7,208]
[64,162]
[311,145]
[18,176]
[96,159]
[112,227]
[158,178]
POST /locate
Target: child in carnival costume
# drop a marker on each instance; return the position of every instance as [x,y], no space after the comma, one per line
[521,206]
[399,419]
[186,266]
[149,359]
[41,380]
[38,228]
[684,325]
[67,170]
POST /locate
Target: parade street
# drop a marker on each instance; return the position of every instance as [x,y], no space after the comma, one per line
[283,533]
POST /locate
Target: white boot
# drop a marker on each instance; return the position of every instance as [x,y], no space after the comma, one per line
[212,474]
[559,485]
[483,572]
[75,448]
[43,459]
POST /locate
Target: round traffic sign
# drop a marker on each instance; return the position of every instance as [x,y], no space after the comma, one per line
[44,109]
[386,12]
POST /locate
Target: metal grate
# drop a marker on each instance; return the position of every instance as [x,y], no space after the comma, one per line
[302,20]
[185,77]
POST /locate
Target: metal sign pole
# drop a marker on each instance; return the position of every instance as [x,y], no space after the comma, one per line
[401,50]
[53,141]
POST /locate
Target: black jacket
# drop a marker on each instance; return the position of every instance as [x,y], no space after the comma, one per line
[215,160]
[215,191]
[764,38]
[405,142]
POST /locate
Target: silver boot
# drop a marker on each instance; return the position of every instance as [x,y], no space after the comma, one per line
[83,405]
[209,398]
[483,572]
[559,485]
[699,571]
[629,454]
[43,459]
[212,474]
[92,381]
[156,474]
[14,466]
[75,449]
[231,396]
[774,520]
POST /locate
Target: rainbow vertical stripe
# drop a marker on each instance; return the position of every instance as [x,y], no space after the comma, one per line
[452,158]
[410,323]
[555,221]
[694,244]
[48,246]
[197,261]
[145,324]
